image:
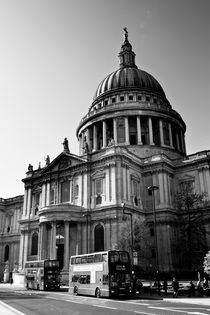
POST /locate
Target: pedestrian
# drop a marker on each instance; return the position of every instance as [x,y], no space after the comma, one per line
[139,286]
[165,286]
[175,286]
[200,288]
[11,280]
[191,289]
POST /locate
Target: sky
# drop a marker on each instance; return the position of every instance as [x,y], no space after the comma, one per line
[54,54]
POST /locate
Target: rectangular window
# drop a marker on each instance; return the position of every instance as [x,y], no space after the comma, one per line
[139,97]
[147,98]
[113,99]
[153,253]
[52,196]
[122,98]
[130,97]
[65,191]
[99,186]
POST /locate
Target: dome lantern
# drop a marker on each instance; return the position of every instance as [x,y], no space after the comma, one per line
[126,55]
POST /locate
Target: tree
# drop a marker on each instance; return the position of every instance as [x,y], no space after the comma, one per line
[140,240]
[192,234]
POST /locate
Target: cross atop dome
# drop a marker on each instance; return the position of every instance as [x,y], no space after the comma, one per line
[126,55]
[126,33]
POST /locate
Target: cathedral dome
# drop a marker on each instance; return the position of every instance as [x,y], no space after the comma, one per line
[130,109]
[129,78]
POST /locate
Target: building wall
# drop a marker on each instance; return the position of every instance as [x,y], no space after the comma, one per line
[10,214]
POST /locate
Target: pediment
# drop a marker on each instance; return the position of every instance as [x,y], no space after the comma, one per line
[63,161]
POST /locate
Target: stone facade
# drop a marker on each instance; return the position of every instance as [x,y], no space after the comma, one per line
[129,140]
[10,214]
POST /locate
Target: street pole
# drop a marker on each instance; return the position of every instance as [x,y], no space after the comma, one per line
[87,232]
[152,190]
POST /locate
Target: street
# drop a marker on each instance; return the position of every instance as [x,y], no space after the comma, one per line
[53,303]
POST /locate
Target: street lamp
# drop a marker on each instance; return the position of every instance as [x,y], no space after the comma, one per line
[152,189]
[128,213]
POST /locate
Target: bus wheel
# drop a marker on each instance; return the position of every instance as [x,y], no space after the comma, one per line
[98,293]
[75,291]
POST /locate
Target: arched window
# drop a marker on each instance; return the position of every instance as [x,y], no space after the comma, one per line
[6,253]
[34,244]
[99,238]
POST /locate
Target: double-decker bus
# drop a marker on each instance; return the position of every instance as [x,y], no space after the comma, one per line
[106,273]
[42,275]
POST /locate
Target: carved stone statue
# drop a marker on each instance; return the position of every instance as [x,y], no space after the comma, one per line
[66,146]
[47,160]
[30,168]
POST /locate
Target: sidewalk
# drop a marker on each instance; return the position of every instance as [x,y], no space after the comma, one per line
[8,310]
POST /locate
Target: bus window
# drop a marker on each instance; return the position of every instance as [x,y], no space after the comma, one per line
[75,278]
[83,279]
[105,279]
[104,257]
[90,259]
[78,260]
[84,260]
[124,257]
[73,261]
[98,258]
[88,279]
[114,257]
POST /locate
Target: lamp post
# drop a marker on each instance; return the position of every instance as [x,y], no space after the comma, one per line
[130,214]
[152,190]
[87,232]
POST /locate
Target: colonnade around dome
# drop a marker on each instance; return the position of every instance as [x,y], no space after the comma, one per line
[129,130]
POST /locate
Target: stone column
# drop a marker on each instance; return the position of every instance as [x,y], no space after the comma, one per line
[29,202]
[115,130]
[81,143]
[94,138]
[25,202]
[42,240]
[21,251]
[88,139]
[113,183]
[151,142]
[107,179]
[66,245]
[40,244]
[48,194]
[177,141]
[161,132]
[53,240]
[25,253]
[161,187]
[182,141]
[43,195]
[139,129]
[127,140]
[104,135]
[170,135]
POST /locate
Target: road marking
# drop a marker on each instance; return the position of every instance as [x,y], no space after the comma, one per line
[57,299]
[138,312]
[167,309]
[12,309]
[196,313]
[102,306]
[180,311]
